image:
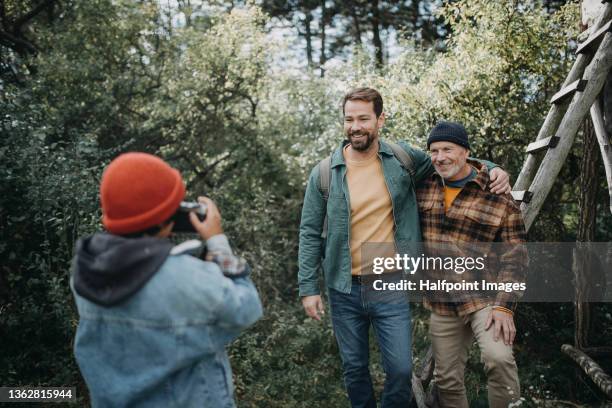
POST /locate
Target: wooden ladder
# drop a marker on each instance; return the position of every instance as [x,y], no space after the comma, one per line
[578,95]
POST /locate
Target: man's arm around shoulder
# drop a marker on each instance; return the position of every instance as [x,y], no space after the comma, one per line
[421,161]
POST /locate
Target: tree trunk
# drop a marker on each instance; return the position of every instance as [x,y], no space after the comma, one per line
[308,36]
[415,14]
[378,47]
[591,369]
[322,57]
[356,25]
[584,272]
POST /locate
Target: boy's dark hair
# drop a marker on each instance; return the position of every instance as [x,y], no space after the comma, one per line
[367,95]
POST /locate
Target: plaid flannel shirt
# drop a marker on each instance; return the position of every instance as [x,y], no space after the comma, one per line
[476,221]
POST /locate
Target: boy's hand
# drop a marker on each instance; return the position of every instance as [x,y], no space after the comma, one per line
[211,225]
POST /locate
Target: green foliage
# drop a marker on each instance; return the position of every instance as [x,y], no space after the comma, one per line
[47,199]
[208,96]
[287,361]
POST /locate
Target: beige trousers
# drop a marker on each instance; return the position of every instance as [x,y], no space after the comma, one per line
[451,339]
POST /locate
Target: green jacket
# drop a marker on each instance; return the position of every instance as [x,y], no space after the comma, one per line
[333,254]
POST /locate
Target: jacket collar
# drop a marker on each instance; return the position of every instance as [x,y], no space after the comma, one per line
[338,157]
[481,179]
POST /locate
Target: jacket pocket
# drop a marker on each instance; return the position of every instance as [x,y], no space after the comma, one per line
[218,389]
[484,214]
[425,204]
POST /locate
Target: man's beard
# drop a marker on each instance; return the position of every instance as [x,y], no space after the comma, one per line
[450,171]
[362,144]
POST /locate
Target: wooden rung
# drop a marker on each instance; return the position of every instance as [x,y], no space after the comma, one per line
[568,91]
[547,143]
[522,196]
[594,39]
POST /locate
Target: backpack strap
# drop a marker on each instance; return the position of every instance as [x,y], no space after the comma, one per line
[325,177]
[403,157]
[324,181]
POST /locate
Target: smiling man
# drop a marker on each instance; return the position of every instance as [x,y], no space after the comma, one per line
[370,199]
[457,209]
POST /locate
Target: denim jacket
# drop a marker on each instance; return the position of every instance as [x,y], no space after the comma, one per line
[163,343]
[333,254]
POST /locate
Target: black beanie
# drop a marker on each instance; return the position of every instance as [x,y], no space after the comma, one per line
[449,132]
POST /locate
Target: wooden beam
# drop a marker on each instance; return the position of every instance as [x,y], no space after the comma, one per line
[548,129]
[594,39]
[569,91]
[596,74]
[556,112]
[425,371]
[543,144]
[523,196]
[590,368]
[604,144]
[421,378]
[418,392]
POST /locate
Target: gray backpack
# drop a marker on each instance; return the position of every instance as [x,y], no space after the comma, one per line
[325,174]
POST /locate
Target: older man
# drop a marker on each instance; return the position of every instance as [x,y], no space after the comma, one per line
[458,213]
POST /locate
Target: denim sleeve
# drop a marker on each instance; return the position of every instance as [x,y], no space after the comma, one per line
[311,243]
[240,306]
[220,252]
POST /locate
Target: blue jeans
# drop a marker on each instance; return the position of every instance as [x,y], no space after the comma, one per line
[390,317]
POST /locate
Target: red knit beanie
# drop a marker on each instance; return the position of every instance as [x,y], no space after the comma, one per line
[139,191]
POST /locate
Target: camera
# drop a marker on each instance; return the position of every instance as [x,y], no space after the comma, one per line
[181,217]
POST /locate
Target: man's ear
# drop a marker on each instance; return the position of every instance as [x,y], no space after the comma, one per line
[381,120]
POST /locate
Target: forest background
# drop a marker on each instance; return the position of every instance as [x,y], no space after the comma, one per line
[244,98]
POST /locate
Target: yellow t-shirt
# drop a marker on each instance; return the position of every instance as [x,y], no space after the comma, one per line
[371,210]
[453,188]
[450,193]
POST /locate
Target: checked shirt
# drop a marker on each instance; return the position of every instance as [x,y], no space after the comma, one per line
[479,223]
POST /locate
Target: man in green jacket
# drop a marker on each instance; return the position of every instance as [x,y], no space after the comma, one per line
[371,198]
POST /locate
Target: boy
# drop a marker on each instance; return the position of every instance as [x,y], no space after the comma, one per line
[154,320]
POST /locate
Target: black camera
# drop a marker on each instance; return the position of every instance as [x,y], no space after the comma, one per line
[181,217]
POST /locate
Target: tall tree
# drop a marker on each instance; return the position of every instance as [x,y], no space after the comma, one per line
[343,25]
